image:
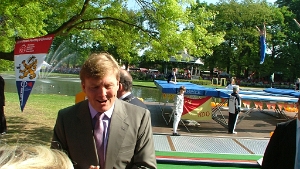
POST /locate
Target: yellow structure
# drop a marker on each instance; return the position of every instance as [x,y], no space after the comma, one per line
[80,97]
[223,80]
[212,81]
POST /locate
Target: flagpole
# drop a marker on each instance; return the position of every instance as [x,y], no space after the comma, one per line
[297,23]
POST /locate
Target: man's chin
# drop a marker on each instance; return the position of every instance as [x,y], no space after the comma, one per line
[104,106]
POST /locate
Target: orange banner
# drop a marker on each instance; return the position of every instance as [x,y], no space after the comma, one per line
[197,109]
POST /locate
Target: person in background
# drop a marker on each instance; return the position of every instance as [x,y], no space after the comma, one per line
[234,103]
[178,109]
[263,44]
[171,76]
[231,84]
[103,130]
[297,84]
[3,127]
[125,88]
[32,157]
[272,80]
[283,149]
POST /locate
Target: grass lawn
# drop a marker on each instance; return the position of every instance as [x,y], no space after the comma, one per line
[144,84]
[35,124]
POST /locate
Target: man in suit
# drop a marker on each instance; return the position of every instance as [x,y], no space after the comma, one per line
[125,88]
[281,151]
[3,127]
[126,139]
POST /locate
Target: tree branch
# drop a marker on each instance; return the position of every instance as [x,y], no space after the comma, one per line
[72,20]
[7,56]
[114,19]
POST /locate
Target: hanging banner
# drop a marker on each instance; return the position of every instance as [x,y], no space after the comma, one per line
[197,109]
[29,55]
[263,49]
[263,44]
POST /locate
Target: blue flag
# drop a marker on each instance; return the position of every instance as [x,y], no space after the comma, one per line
[263,48]
[263,44]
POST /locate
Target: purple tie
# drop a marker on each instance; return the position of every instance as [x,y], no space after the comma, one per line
[99,137]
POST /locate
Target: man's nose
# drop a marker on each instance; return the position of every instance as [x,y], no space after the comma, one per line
[102,91]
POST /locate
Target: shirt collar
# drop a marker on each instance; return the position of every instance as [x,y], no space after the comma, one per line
[125,95]
[108,113]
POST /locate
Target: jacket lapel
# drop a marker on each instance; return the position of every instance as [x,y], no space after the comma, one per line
[117,132]
[85,132]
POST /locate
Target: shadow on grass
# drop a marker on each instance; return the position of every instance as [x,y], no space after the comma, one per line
[21,131]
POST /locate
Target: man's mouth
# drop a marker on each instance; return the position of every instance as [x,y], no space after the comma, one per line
[102,101]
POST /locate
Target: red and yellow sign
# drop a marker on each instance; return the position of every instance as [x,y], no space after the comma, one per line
[197,109]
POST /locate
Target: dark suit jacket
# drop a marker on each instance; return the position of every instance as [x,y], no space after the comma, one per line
[130,142]
[281,150]
[134,100]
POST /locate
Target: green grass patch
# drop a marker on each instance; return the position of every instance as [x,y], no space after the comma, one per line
[209,155]
[35,124]
[204,155]
[144,83]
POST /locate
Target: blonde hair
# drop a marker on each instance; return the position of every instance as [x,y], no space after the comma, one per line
[98,65]
[33,157]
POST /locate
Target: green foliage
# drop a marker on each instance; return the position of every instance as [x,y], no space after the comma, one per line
[223,34]
[21,19]
[6,65]
[239,53]
[163,28]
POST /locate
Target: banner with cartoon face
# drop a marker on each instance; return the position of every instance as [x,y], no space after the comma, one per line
[29,55]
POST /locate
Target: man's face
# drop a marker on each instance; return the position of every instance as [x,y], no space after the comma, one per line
[101,93]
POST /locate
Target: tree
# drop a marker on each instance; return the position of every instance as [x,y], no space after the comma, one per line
[239,53]
[157,25]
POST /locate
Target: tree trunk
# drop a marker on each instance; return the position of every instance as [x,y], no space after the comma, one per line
[7,56]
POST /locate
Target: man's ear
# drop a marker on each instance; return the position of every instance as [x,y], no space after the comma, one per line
[120,87]
[82,86]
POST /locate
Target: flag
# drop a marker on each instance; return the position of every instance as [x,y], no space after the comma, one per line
[196,109]
[29,55]
[263,48]
[263,44]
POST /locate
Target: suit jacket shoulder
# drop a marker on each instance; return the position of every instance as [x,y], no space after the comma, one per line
[134,100]
[281,149]
[130,138]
